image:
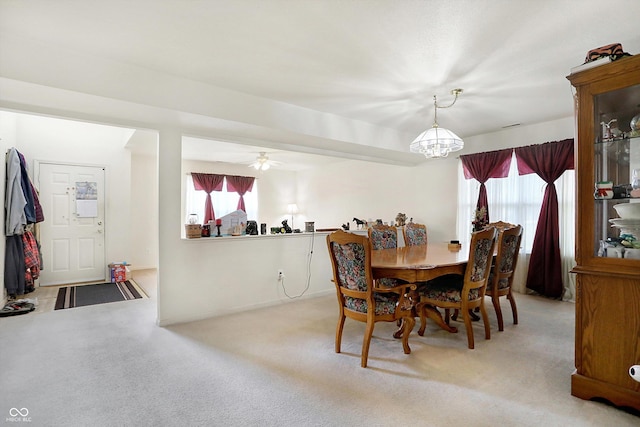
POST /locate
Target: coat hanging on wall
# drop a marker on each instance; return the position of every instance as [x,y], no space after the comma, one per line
[22,209]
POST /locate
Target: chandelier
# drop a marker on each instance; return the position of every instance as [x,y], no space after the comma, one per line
[437,142]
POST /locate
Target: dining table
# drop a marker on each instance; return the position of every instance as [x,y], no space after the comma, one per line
[414,264]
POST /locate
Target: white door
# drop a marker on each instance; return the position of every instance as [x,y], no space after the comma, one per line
[72,234]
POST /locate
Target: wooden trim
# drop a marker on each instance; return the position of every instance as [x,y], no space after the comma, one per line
[589,389]
[622,270]
[605,72]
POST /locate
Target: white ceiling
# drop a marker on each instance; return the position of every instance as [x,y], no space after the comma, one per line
[378,61]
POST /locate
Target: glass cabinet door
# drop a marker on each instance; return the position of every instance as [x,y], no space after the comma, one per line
[617,173]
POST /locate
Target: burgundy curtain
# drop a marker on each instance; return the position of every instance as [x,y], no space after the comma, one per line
[482,166]
[207,182]
[549,161]
[240,184]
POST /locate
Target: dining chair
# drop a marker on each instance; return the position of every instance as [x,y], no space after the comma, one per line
[414,234]
[500,225]
[358,299]
[502,272]
[462,292]
[384,237]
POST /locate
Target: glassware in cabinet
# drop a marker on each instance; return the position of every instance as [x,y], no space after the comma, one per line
[616,162]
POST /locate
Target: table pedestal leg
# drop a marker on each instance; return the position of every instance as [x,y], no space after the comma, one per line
[432,313]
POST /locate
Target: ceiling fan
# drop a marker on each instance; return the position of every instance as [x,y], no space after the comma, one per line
[262,162]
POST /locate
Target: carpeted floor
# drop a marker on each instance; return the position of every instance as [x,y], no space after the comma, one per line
[110,364]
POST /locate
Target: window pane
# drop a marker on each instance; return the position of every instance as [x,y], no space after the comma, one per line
[223,202]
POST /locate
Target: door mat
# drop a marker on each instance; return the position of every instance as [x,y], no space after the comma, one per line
[83,295]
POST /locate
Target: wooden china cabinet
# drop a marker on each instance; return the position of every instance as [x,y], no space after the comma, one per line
[607,98]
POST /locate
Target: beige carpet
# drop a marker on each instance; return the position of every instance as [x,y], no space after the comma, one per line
[109,364]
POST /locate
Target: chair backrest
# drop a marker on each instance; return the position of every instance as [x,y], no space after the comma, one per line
[383,237]
[500,225]
[481,252]
[509,240]
[415,234]
[351,261]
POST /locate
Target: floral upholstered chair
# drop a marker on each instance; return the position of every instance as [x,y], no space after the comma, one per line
[415,234]
[501,276]
[358,299]
[499,226]
[384,237]
[462,292]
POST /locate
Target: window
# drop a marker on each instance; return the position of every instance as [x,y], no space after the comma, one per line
[518,199]
[223,202]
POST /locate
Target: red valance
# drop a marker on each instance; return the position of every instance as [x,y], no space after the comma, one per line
[548,160]
[482,166]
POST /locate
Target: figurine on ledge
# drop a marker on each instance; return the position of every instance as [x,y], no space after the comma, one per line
[345,227]
[360,224]
[252,228]
[286,227]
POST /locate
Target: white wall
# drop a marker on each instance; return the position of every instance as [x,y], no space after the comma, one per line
[520,136]
[62,141]
[143,223]
[336,194]
[217,276]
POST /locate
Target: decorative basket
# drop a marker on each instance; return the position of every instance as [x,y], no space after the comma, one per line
[193,231]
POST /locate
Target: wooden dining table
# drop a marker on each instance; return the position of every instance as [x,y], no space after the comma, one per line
[415,264]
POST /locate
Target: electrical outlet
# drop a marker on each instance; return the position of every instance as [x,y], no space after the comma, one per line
[280,275]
